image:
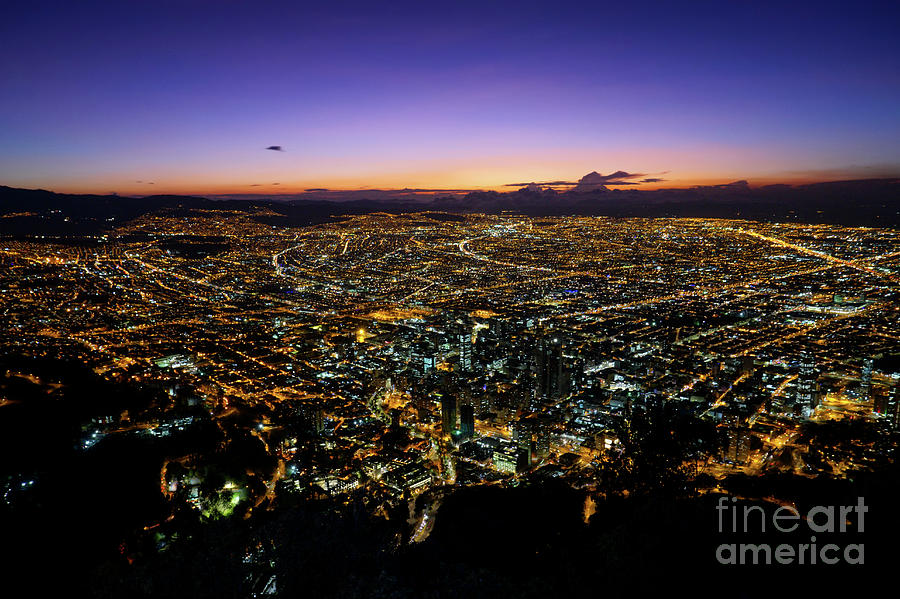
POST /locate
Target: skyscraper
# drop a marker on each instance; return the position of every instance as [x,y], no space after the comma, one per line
[462,336]
[467,420]
[523,433]
[892,409]
[448,412]
[542,442]
[807,387]
[552,378]
[865,379]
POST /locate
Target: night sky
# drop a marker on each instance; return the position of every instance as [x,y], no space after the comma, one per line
[111,96]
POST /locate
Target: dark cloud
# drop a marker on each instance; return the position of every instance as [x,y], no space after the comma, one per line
[276,183]
[652,180]
[594,181]
[316,189]
[256,185]
[275,148]
[541,183]
[617,177]
[591,179]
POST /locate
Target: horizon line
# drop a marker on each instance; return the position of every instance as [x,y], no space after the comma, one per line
[433,192]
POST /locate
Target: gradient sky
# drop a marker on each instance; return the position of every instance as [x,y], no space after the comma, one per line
[97,96]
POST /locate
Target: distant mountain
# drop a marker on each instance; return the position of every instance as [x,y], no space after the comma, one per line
[30,212]
[866,202]
[869,202]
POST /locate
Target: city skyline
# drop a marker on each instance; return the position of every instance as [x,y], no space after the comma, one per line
[468,299]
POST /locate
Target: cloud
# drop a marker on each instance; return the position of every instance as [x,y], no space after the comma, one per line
[276,183]
[541,183]
[316,189]
[593,179]
[275,148]
[652,180]
[615,178]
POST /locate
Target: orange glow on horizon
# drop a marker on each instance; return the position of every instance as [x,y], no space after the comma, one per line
[420,186]
[290,175]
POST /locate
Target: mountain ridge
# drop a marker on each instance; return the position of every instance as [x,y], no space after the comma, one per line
[859,202]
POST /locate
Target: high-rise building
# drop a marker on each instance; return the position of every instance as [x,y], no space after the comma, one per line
[523,433]
[807,386]
[738,445]
[865,379]
[886,403]
[423,360]
[448,412]
[467,420]
[550,366]
[542,442]
[506,457]
[462,339]
[892,409]
[523,460]
[879,400]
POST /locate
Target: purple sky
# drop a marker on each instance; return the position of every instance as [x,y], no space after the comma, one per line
[188,94]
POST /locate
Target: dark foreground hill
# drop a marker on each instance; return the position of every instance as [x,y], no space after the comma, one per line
[524,542]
